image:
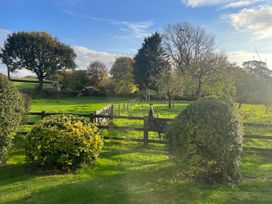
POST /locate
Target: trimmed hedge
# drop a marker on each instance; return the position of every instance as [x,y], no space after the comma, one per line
[205,140]
[63,142]
[11,109]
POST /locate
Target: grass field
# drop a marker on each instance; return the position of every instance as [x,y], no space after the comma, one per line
[29,85]
[128,173]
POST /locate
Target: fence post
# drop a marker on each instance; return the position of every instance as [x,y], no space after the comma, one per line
[146,126]
[43,114]
[92,118]
[111,114]
[119,110]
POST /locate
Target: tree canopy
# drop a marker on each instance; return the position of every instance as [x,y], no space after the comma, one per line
[97,72]
[122,75]
[150,61]
[38,52]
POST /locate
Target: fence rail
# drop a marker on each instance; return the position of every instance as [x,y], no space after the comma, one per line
[150,124]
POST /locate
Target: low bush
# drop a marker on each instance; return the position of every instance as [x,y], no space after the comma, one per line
[205,140]
[11,109]
[63,142]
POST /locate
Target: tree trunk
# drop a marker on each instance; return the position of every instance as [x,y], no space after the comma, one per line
[266,108]
[8,73]
[40,87]
[240,105]
[170,103]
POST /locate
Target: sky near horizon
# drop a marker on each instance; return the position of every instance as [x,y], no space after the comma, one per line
[105,29]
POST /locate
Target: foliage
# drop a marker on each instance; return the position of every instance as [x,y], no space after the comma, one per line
[122,75]
[27,101]
[258,69]
[63,142]
[192,54]
[150,61]
[170,85]
[97,73]
[38,52]
[74,81]
[11,109]
[206,140]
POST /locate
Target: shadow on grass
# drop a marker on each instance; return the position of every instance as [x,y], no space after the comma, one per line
[128,173]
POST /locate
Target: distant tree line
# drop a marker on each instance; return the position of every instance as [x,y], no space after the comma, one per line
[180,62]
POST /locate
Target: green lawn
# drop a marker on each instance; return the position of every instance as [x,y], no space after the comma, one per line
[30,84]
[128,173]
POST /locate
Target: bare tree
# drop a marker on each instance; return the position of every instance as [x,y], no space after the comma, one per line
[192,53]
[187,44]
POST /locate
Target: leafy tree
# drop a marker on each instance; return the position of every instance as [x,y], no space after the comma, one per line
[257,69]
[170,85]
[245,84]
[261,80]
[213,77]
[38,52]
[97,72]
[150,61]
[74,81]
[122,75]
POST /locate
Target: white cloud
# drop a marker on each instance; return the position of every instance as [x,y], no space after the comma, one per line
[222,3]
[135,29]
[241,56]
[85,56]
[258,20]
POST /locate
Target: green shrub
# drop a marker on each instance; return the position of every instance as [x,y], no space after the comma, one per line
[11,109]
[205,140]
[63,142]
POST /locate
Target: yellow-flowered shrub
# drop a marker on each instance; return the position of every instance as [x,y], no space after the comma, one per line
[63,142]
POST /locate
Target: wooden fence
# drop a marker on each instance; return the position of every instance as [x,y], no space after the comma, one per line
[151,124]
[126,105]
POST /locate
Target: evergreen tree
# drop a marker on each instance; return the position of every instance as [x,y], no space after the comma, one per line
[150,61]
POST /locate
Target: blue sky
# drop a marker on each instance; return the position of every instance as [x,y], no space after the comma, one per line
[104,29]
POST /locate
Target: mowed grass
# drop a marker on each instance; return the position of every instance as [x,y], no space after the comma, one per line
[87,104]
[128,173]
[29,85]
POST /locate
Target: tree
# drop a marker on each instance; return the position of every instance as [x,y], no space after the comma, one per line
[213,77]
[187,45]
[38,52]
[257,69]
[97,72]
[150,61]
[170,85]
[75,81]
[262,80]
[245,86]
[192,53]
[122,75]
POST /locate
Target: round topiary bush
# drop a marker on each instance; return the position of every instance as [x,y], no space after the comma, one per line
[205,140]
[63,142]
[11,109]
